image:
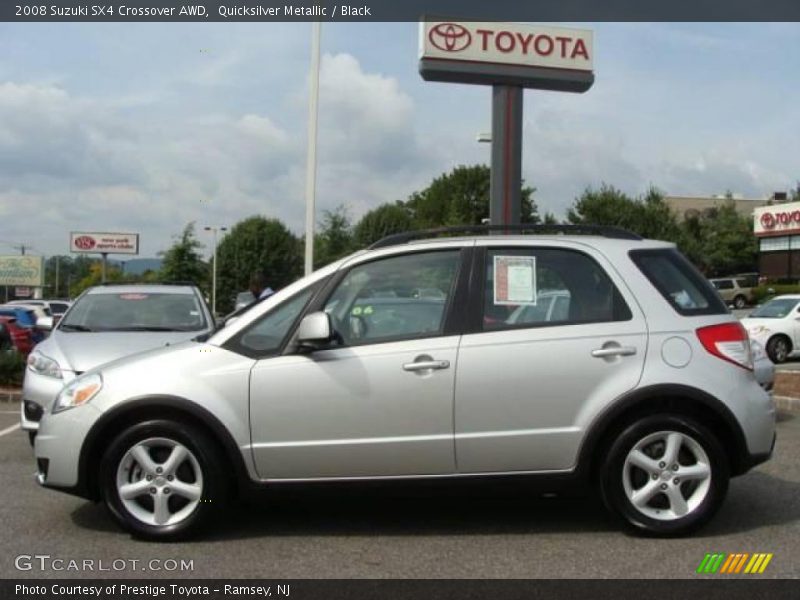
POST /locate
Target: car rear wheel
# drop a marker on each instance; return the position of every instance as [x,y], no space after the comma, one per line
[665,475]
[739,302]
[163,481]
[779,348]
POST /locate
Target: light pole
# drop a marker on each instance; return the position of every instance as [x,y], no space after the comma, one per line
[311,156]
[214,269]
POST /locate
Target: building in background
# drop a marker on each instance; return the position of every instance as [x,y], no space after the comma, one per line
[777,227]
[686,207]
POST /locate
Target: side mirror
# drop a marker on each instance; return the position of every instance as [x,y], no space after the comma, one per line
[44,323]
[315,330]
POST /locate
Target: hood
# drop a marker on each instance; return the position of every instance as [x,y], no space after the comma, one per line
[81,351]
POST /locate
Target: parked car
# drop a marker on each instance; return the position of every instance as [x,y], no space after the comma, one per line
[26,318]
[43,304]
[645,386]
[736,291]
[763,367]
[19,337]
[105,323]
[776,325]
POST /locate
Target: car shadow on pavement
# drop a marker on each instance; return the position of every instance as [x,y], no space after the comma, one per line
[489,509]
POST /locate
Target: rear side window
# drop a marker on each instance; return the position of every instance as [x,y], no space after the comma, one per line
[679,282]
[723,284]
[543,287]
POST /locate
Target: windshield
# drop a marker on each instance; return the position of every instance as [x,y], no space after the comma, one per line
[139,311]
[775,309]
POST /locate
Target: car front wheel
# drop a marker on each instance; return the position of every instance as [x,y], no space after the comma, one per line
[665,475]
[162,481]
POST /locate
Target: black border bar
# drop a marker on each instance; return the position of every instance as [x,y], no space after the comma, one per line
[398,10]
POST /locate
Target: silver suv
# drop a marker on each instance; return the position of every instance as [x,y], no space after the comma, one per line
[641,384]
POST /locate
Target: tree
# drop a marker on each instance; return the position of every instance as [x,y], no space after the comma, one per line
[183,262]
[648,216]
[461,197]
[256,244]
[720,241]
[385,220]
[334,238]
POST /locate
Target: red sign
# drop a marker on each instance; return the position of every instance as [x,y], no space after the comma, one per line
[22,292]
[84,242]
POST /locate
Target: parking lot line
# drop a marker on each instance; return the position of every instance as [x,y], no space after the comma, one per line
[9,429]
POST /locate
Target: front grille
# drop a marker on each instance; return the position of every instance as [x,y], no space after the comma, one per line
[33,412]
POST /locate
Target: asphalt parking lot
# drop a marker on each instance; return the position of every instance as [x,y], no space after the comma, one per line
[404,532]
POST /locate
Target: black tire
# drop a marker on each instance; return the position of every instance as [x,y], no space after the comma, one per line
[658,517]
[778,348]
[739,302]
[32,437]
[206,459]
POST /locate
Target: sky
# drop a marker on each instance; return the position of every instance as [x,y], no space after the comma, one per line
[145,127]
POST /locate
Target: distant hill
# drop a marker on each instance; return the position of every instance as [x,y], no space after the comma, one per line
[137,266]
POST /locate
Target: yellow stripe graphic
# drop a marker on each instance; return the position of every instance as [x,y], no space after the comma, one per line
[754,562]
[765,563]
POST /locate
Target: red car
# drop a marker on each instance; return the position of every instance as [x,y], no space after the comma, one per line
[20,337]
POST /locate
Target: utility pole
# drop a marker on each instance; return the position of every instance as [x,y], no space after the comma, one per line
[214,269]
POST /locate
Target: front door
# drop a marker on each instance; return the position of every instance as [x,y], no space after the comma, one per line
[380,401]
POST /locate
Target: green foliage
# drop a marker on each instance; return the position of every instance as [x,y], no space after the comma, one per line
[461,197]
[95,277]
[648,216]
[256,244]
[12,368]
[183,261]
[385,220]
[765,292]
[719,241]
[334,238]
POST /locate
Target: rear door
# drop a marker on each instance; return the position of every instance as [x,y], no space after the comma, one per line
[528,379]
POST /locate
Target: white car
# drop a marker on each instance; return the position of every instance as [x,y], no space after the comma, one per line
[776,326]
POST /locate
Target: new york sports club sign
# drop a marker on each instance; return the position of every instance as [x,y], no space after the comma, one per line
[514,50]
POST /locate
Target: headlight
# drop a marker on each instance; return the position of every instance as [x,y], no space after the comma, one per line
[757,350]
[78,391]
[759,330]
[43,365]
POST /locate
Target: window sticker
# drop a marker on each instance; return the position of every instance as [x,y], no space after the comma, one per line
[515,280]
[133,296]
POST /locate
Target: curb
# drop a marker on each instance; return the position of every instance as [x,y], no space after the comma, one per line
[787,403]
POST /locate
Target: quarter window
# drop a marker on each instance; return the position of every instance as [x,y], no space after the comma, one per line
[535,287]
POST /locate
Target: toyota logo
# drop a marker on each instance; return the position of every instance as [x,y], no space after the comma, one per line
[768,220]
[84,242]
[450,37]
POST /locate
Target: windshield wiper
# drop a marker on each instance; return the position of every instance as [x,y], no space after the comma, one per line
[71,327]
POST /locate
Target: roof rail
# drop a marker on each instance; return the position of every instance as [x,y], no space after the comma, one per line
[602,230]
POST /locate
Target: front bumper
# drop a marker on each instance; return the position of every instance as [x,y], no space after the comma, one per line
[58,446]
[38,394]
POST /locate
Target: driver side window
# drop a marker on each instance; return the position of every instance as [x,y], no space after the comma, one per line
[266,336]
[399,297]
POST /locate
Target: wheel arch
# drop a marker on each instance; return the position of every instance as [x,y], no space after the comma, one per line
[672,398]
[113,422]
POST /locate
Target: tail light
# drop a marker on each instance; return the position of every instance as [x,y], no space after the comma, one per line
[728,341]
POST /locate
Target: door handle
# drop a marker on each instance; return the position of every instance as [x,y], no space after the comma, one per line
[614,351]
[424,365]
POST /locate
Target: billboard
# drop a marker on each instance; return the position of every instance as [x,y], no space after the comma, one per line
[778,219]
[533,56]
[104,243]
[26,271]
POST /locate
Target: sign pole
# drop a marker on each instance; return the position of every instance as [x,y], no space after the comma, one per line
[103,272]
[506,173]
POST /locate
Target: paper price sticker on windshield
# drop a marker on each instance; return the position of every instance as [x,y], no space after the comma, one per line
[133,296]
[515,280]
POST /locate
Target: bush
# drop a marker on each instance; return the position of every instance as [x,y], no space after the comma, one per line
[765,292]
[12,368]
